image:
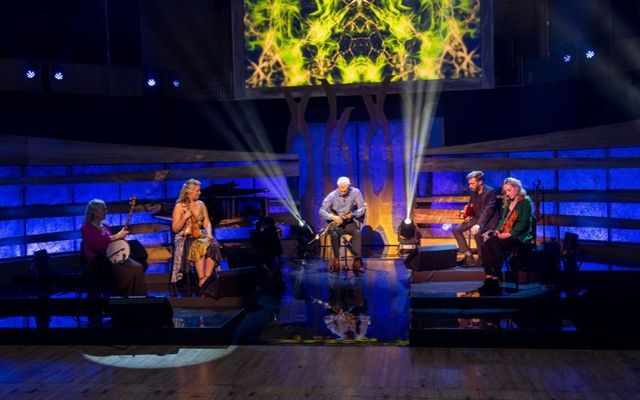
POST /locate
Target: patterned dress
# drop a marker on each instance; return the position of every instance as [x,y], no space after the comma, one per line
[188,250]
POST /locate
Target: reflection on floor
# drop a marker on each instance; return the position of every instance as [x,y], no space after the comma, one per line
[314,306]
[302,303]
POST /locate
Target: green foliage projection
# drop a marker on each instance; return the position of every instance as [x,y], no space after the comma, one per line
[298,42]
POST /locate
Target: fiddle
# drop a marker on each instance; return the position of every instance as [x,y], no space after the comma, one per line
[511,220]
[193,229]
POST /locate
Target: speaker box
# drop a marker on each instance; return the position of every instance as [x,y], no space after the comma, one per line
[234,282]
[426,258]
[140,312]
[242,257]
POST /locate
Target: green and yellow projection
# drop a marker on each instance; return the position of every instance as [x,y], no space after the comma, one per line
[299,42]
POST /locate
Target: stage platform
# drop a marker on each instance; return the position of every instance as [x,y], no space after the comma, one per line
[386,305]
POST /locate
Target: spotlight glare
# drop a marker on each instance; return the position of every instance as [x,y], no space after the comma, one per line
[590,54]
[58,76]
[176,83]
[30,74]
[567,58]
[407,221]
[446,227]
[151,82]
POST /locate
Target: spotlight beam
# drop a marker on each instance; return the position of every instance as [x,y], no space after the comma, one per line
[247,134]
[419,105]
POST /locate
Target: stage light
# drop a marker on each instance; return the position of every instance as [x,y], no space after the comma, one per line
[446,227]
[589,54]
[408,235]
[151,82]
[32,70]
[567,58]
[174,79]
[57,72]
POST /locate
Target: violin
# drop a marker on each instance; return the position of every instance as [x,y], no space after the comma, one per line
[193,229]
[511,220]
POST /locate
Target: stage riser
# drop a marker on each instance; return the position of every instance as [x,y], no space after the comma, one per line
[447,275]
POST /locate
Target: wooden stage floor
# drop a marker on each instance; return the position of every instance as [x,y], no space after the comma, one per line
[316,372]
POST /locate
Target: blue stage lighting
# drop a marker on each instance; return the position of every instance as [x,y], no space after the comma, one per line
[173,78]
[151,82]
[589,54]
[32,71]
[58,75]
[567,58]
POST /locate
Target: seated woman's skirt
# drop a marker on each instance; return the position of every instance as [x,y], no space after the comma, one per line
[204,247]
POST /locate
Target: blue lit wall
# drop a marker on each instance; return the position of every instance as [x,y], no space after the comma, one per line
[81,193]
[624,179]
[453,183]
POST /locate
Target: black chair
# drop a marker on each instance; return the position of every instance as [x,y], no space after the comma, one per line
[523,259]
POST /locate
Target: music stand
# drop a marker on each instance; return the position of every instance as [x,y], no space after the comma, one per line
[344,242]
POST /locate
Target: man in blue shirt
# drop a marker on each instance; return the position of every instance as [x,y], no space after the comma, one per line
[345,207]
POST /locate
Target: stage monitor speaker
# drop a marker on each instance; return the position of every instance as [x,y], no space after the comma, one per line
[243,257]
[234,282]
[428,258]
[140,312]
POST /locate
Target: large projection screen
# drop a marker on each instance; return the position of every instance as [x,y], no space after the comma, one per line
[360,43]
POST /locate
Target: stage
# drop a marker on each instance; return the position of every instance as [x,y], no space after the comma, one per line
[302,303]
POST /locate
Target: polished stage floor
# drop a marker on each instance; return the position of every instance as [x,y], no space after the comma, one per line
[311,334]
[386,305]
[306,305]
[316,372]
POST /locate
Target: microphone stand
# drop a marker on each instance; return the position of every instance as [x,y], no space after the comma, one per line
[539,197]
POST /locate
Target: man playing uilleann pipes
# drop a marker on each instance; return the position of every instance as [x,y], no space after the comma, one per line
[345,207]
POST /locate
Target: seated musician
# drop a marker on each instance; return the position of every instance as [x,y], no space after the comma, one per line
[190,217]
[345,207]
[514,229]
[480,215]
[96,237]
